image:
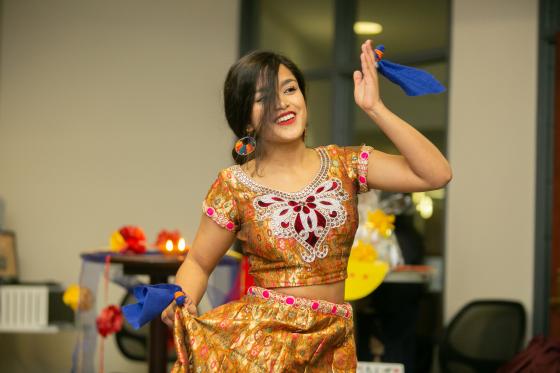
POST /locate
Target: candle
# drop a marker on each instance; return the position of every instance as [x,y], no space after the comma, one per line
[181,245]
[169,246]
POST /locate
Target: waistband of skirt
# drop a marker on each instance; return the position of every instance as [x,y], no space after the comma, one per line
[317,305]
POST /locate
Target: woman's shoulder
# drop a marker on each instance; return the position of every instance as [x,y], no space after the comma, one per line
[226,174]
[331,148]
[345,150]
[349,156]
[336,147]
[335,150]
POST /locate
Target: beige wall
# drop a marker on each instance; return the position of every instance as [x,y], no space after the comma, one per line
[492,130]
[110,114]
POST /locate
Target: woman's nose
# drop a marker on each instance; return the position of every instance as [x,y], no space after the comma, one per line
[282,103]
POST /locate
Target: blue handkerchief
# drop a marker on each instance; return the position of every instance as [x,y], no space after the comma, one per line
[152,300]
[414,82]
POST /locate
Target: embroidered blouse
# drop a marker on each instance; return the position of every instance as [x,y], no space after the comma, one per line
[294,238]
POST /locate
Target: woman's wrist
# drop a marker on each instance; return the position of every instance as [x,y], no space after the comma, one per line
[377,110]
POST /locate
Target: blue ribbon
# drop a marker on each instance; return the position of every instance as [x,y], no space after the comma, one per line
[152,300]
[414,82]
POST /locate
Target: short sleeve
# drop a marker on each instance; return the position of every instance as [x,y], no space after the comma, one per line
[356,160]
[220,206]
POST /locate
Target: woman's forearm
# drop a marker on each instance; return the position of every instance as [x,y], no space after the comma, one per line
[423,157]
[192,279]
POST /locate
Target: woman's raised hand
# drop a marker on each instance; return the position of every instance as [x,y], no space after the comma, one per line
[366,85]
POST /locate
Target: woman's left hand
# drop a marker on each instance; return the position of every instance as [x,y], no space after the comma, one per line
[366,85]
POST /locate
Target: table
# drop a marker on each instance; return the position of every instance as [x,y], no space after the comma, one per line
[158,267]
[411,274]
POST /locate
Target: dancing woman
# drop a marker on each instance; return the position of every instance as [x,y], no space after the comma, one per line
[295,211]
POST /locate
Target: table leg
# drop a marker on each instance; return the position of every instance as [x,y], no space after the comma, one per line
[157,354]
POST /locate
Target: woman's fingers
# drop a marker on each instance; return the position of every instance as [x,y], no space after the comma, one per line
[365,52]
[371,54]
[358,80]
[167,321]
[357,77]
[168,315]
[366,71]
[370,58]
[192,309]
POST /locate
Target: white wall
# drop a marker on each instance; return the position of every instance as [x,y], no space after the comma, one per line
[110,114]
[492,136]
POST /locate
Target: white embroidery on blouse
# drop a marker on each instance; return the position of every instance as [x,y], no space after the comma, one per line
[306,217]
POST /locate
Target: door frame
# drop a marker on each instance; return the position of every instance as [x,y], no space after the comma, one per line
[549,25]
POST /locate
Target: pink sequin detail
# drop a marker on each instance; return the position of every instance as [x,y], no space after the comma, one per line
[229,225]
[362,179]
[333,309]
[210,211]
[290,300]
[266,294]
[315,305]
[364,155]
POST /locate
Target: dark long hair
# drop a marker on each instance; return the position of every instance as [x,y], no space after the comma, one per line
[258,67]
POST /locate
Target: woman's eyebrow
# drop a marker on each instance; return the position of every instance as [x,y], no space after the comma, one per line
[286,81]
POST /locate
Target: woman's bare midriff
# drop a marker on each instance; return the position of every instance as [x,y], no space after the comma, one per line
[333,292]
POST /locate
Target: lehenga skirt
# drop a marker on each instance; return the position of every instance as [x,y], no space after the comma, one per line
[266,331]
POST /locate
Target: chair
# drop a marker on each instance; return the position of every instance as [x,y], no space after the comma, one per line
[483,335]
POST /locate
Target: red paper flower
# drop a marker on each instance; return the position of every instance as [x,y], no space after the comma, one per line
[134,238]
[164,236]
[109,321]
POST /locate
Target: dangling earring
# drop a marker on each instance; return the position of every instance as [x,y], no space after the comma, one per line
[245,145]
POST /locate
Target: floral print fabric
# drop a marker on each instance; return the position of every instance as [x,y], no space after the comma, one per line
[266,331]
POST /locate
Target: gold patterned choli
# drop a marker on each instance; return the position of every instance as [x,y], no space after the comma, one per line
[298,238]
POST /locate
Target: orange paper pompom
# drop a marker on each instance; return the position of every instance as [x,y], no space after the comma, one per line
[171,242]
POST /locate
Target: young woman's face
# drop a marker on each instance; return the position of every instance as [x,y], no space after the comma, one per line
[290,115]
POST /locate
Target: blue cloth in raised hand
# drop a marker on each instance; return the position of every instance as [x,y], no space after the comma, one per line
[152,300]
[414,82]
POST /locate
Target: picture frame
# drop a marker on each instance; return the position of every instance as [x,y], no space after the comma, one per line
[8,257]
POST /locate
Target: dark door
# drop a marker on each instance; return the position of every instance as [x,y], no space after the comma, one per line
[554,304]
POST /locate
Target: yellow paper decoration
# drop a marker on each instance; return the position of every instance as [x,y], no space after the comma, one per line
[381,221]
[365,272]
[364,278]
[71,298]
[363,252]
[117,242]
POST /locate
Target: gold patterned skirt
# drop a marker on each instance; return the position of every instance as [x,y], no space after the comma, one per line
[267,331]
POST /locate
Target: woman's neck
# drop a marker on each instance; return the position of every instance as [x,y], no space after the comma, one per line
[284,156]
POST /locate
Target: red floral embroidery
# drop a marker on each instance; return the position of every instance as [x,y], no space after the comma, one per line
[305,217]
